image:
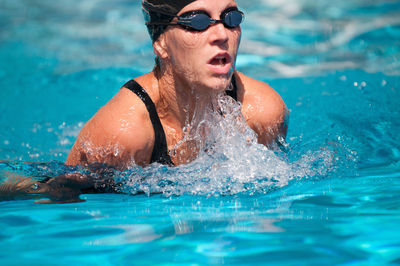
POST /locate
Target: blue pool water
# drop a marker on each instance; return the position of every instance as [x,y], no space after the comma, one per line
[332,198]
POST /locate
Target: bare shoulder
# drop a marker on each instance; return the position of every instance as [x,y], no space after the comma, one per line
[261,96]
[263,108]
[119,134]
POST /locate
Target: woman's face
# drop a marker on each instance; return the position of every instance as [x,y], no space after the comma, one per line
[206,58]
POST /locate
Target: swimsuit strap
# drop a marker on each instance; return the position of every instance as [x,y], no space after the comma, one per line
[160,149]
[233,91]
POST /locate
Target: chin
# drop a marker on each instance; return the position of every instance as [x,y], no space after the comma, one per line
[219,83]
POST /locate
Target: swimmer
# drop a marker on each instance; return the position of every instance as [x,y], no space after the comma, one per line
[195,44]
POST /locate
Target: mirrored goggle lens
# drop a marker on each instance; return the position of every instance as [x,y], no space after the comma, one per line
[201,22]
[233,19]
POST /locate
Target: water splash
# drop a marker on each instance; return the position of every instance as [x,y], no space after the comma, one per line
[230,162]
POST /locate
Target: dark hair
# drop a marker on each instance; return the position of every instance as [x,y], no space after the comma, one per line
[161,11]
[157,67]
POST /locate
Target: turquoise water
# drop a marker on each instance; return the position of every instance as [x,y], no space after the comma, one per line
[331,198]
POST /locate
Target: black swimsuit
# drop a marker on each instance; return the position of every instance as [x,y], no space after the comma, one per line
[160,151]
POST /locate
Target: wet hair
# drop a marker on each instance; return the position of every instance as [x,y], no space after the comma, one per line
[161,11]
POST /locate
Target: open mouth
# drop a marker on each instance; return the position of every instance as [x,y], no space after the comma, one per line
[220,60]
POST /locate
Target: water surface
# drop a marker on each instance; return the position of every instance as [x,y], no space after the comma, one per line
[331,198]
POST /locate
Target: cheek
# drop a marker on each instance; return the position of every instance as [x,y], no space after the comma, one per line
[191,40]
[184,46]
[236,36]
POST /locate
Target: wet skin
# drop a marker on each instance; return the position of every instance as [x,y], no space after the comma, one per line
[195,68]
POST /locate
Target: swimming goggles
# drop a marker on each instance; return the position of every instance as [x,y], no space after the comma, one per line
[200,20]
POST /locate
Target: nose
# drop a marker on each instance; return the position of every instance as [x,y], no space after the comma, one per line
[218,34]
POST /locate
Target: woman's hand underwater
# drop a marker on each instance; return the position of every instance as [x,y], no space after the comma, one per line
[61,189]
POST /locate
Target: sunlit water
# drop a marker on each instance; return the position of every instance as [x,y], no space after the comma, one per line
[331,197]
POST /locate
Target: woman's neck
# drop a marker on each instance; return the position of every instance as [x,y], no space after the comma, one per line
[184,102]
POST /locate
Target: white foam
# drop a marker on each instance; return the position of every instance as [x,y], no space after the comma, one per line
[230,162]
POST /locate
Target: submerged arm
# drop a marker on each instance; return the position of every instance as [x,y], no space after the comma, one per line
[61,189]
[64,188]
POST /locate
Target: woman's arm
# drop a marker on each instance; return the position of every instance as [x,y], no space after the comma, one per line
[61,189]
